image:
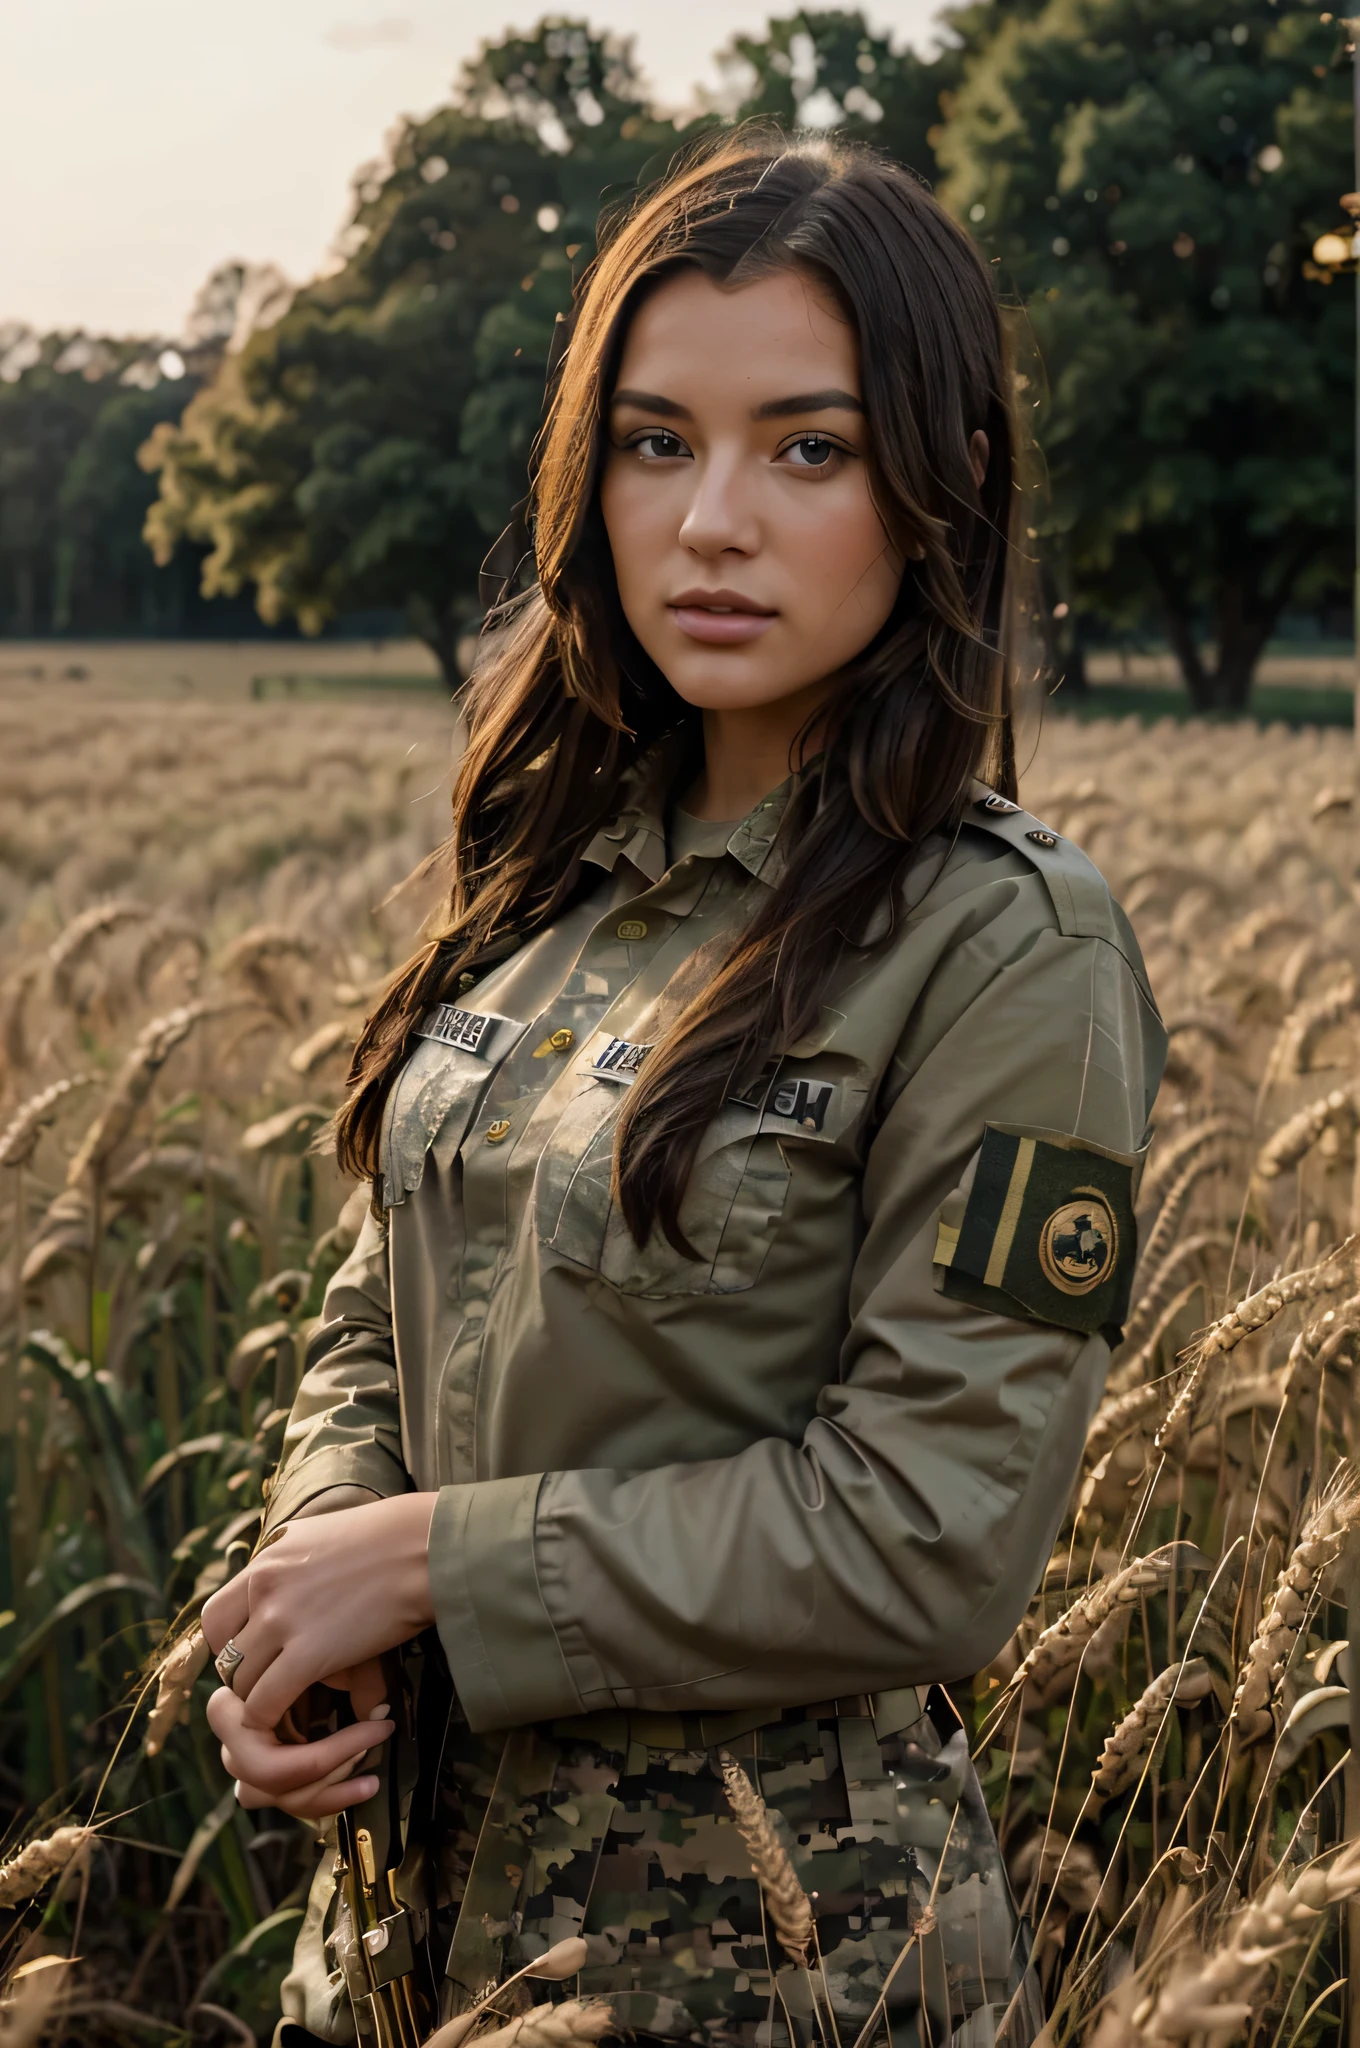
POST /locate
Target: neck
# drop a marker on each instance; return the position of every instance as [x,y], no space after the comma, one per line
[747,753]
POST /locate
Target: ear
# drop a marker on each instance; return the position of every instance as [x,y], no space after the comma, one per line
[979,454]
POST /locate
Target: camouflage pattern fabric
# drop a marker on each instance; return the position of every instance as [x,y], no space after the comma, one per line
[616,1827]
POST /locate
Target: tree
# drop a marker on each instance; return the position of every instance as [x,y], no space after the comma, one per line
[827,69]
[103,578]
[367,448]
[73,409]
[1152,175]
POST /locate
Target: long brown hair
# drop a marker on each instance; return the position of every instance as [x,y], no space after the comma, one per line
[568,700]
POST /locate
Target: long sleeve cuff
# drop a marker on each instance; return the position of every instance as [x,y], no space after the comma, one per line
[368,1463]
[501,1646]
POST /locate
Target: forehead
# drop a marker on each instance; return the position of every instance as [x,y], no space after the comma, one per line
[695,340]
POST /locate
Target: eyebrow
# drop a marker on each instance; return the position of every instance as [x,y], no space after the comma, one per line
[773,408]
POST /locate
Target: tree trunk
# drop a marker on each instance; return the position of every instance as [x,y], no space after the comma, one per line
[1180,631]
[1075,679]
[1247,607]
[1064,656]
[441,627]
[1245,612]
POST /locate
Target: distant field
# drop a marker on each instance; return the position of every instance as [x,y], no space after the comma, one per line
[1313,687]
[201,669]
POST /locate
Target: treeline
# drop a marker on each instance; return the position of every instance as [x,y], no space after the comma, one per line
[1150,176]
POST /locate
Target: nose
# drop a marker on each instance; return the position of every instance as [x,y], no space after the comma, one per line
[721,516]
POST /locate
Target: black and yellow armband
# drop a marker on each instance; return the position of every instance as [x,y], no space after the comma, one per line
[1046,1230]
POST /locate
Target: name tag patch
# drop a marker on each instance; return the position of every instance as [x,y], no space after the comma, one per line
[804,1103]
[477,1031]
[619,1061]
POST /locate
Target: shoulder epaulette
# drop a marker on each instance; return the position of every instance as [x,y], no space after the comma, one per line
[1079,892]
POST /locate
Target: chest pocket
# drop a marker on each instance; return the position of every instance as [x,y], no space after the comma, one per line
[438,1091]
[737,1189]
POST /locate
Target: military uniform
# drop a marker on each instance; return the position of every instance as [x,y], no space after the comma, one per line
[759,1500]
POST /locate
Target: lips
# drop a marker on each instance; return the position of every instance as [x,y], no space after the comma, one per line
[720,618]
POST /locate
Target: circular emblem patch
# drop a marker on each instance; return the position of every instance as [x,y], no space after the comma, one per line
[1077,1245]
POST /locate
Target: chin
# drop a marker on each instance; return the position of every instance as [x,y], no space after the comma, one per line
[709,692]
[727,680]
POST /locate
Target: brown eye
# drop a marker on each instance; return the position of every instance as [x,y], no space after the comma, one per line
[659,445]
[810,451]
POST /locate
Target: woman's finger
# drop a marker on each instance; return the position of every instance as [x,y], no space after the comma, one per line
[285,1773]
[269,1682]
[260,1758]
[288,1767]
[259,1643]
[227,1612]
[313,1802]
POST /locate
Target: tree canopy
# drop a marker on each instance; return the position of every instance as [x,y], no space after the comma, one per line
[1151,175]
[368,447]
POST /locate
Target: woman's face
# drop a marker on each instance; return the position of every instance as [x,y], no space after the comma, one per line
[751,562]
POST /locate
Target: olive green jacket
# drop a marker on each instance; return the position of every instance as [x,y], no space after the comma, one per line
[829,1456]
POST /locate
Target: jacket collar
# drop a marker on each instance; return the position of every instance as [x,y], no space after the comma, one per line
[637,831]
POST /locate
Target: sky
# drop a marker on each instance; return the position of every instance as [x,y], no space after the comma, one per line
[142,142]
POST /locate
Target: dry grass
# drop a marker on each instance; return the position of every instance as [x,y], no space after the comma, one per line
[188,933]
[190,922]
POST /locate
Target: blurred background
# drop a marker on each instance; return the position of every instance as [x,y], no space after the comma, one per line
[277,289]
[277,286]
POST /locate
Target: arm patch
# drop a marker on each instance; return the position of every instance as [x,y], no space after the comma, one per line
[1046,1231]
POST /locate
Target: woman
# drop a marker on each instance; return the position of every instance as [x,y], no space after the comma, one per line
[753,1153]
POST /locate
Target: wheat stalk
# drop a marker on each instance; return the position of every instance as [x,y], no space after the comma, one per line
[565,1959]
[1215,1994]
[176,1677]
[30,1994]
[1064,1640]
[19,1139]
[1317,1344]
[1301,1029]
[1118,1416]
[38,1862]
[1249,1316]
[1211,1157]
[790,1906]
[67,950]
[1160,1285]
[1163,1179]
[1122,1756]
[132,1084]
[552,2026]
[1267,1658]
[1298,1134]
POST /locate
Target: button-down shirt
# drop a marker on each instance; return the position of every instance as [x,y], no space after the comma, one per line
[792,1468]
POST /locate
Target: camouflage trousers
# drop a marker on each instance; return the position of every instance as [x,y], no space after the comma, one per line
[616,1827]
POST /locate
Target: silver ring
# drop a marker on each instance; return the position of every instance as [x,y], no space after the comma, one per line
[227,1661]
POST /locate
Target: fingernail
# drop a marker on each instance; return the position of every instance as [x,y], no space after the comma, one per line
[367,1787]
[379,1711]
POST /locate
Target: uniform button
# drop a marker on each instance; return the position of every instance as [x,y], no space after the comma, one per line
[632,928]
[465,982]
[495,1132]
[1043,838]
[562,1041]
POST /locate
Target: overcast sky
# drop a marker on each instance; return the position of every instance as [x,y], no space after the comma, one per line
[144,141]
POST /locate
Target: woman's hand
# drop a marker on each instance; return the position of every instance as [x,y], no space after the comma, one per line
[331,1594]
[310,1780]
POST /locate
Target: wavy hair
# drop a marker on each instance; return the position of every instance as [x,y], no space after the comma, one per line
[566,700]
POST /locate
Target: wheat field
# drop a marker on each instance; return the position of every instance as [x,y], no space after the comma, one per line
[195,901]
